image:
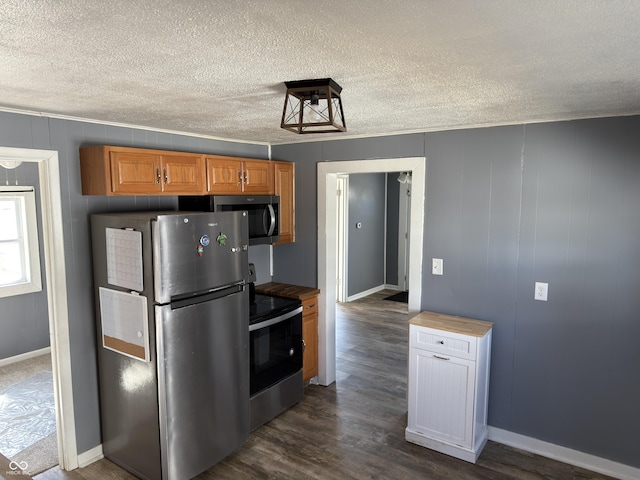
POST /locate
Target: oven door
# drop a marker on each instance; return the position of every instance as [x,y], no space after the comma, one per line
[275,350]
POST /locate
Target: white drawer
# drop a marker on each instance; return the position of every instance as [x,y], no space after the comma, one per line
[440,341]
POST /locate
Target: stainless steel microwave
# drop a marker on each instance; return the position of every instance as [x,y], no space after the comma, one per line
[263,212]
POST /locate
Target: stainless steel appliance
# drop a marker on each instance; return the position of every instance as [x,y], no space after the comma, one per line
[173,329]
[275,356]
[263,212]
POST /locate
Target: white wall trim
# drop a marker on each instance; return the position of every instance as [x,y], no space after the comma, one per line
[365,293]
[56,281]
[71,118]
[24,356]
[563,454]
[90,456]
[327,183]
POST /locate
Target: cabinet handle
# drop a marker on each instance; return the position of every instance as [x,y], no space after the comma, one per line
[304,345]
[441,342]
[310,306]
[166,177]
[239,177]
[440,357]
[159,176]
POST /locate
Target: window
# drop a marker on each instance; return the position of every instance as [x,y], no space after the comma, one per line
[19,251]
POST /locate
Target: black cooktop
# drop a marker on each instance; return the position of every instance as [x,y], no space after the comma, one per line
[267,306]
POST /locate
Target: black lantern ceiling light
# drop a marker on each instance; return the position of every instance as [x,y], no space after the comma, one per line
[313,106]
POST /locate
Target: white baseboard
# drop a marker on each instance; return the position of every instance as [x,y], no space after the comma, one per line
[25,356]
[365,293]
[90,456]
[563,454]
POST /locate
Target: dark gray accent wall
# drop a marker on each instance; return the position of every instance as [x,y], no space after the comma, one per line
[65,136]
[300,259]
[366,244]
[24,322]
[509,206]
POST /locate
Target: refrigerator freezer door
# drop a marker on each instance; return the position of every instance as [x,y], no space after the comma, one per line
[197,252]
[203,377]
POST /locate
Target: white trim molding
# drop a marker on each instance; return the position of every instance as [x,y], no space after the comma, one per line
[327,184]
[90,456]
[56,281]
[366,293]
[564,454]
[24,356]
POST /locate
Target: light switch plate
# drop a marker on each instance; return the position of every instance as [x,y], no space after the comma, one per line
[436,266]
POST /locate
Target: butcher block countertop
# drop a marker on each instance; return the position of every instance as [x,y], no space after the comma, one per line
[451,323]
[286,290]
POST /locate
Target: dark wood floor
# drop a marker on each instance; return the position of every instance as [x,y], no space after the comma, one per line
[354,429]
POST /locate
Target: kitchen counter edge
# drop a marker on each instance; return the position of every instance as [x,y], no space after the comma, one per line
[287,290]
[452,323]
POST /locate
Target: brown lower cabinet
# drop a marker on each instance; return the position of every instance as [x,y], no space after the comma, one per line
[310,338]
[309,298]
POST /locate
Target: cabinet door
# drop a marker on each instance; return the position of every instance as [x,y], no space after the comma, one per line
[258,177]
[135,173]
[441,396]
[224,175]
[284,176]
[183,174]
[310,338]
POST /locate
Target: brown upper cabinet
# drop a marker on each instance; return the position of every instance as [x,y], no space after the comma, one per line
[232,175]
[108,170]
[284,176]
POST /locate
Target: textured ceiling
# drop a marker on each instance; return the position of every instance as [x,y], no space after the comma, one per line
[217,68]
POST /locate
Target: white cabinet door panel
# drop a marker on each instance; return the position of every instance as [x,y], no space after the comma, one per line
[442,390]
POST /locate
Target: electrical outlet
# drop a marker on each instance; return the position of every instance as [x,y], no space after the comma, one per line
[436,266]
[541,291]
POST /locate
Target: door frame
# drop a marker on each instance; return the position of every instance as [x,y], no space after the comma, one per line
[342,233]
[327,184]
[56,282]
[404,229]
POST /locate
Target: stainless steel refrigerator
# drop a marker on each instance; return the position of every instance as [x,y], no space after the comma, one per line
[172,313]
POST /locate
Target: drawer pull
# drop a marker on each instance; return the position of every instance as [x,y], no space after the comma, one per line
[441,358]
[309,306]
[441,342]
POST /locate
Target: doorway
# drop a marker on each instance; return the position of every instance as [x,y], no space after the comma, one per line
[328,173]
[387,212]
[55,275]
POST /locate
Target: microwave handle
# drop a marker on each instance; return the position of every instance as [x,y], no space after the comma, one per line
[272,221]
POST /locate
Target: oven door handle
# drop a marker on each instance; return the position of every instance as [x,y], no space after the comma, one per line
[273,321]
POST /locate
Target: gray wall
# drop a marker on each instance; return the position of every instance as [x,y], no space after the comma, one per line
[24,321]
[67,137]
[366,244]
[508,206]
